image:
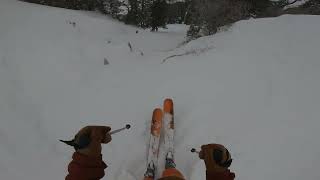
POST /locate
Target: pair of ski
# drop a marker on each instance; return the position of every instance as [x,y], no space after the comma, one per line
[161,119]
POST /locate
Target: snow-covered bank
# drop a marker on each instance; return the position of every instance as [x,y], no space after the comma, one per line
[254,88]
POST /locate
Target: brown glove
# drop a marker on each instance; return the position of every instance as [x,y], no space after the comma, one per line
[97,135]
[216,157]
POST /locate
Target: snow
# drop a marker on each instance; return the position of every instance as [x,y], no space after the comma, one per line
[253,88]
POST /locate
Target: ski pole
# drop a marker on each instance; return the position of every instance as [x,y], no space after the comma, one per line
[193,150]
[84,141]
[128,126]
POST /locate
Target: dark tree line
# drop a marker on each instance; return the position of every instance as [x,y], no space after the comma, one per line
[205,17]
[147,13]
[310,7]
[111,7]
[69,4]
[143,13]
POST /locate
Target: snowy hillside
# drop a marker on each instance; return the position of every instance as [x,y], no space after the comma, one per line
[254,88]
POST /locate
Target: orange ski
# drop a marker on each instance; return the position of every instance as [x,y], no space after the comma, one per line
[168,120]
[153,152]
[168,106]
[156,124]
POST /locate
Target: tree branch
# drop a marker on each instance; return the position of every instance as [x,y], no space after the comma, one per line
[289,3]
[293,2]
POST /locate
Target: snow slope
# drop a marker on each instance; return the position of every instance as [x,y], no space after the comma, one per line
[253,88]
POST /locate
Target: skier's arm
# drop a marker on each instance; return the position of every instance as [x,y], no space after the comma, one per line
[83,167]
[87,163]
[217,160]
[226,175]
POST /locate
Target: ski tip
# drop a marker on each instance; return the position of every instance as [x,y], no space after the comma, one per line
[156,122]
[168,106]
[157,114]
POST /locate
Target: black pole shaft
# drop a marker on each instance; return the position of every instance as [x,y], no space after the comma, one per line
[121,129]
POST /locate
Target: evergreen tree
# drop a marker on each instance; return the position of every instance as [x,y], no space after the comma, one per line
[145,13]
[207,16]
[133,12]
[158,14]
[111,7]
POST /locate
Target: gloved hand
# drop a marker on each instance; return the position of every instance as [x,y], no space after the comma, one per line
[97,135]
[216,157]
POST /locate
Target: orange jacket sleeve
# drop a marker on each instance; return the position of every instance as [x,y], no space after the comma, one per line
[83,167]
[226,175]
